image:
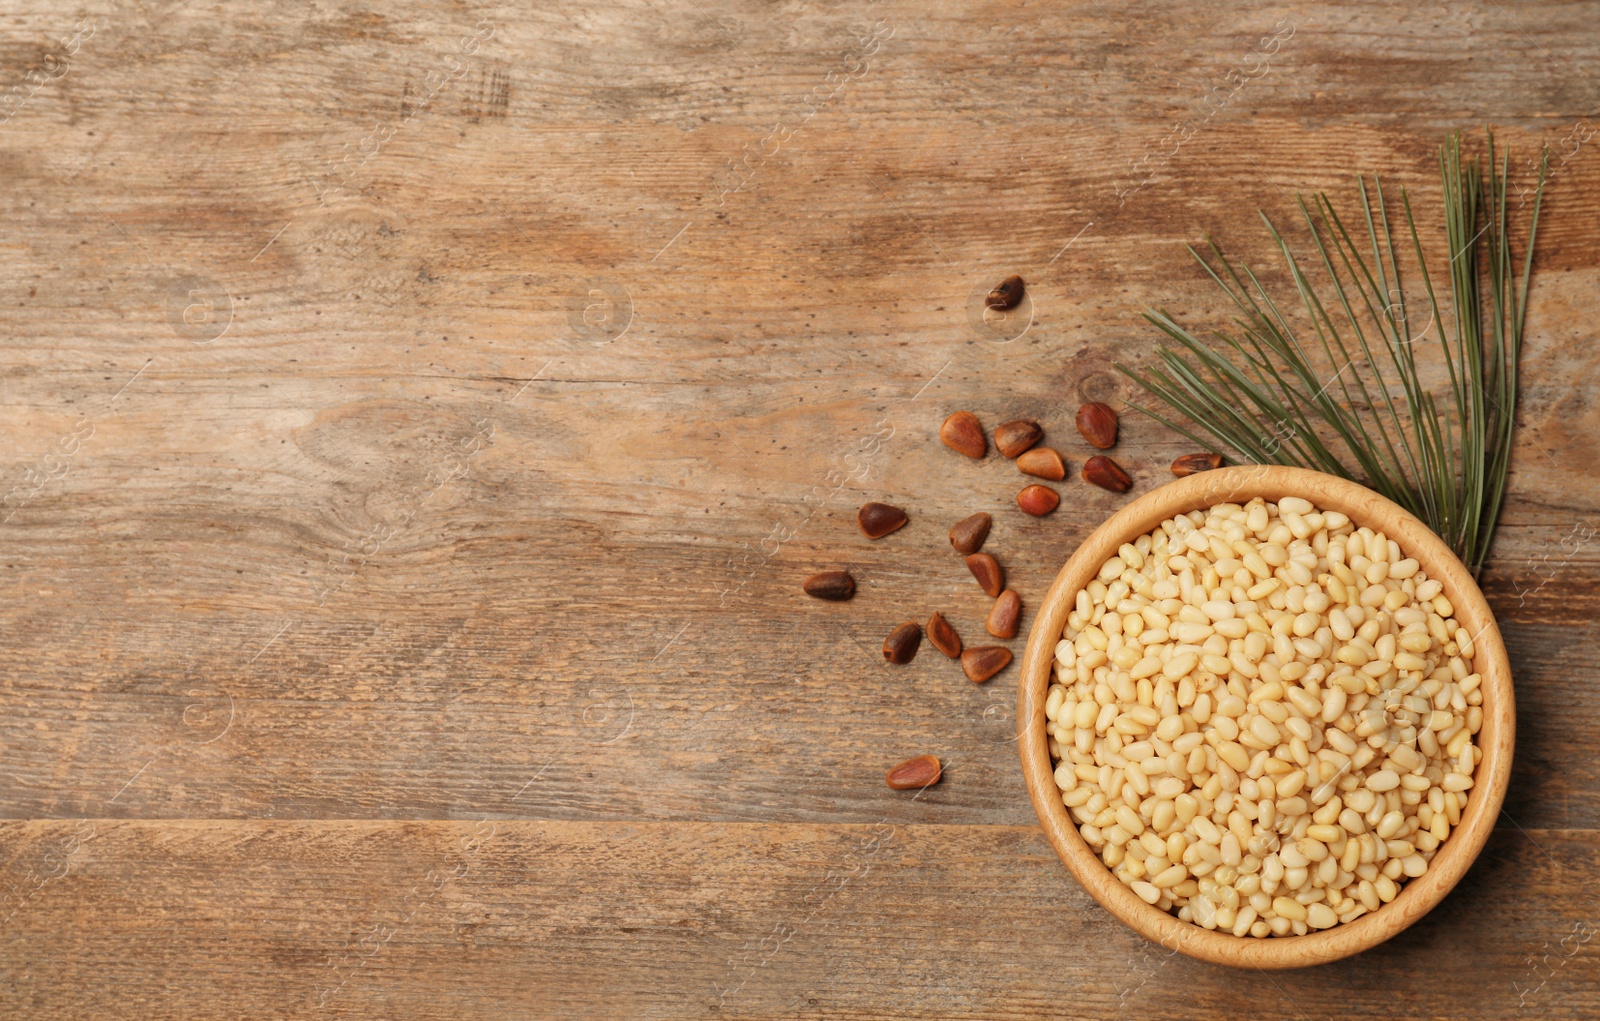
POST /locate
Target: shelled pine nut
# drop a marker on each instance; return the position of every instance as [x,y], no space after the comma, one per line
[1263,717]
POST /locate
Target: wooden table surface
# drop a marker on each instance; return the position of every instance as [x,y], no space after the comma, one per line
[419,419]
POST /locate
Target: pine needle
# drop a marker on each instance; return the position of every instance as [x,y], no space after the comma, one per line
[1337,390]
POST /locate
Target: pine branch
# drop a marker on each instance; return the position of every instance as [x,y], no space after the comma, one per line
[1339,392]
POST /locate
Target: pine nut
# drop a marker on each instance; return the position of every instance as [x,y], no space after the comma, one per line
[1263,717]
[1456,782]
[1383,780]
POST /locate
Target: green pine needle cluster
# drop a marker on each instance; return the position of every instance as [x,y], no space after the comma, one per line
[1334,386]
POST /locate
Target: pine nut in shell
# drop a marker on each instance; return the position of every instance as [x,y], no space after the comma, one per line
[1038,500]
[835,586]
[900,647]
[942,636]
[877,520]
[963,433]
[986,569]
[913,774]
[1097,422]
[1189,464]
[1005,615]
[1006,294]
[1101,471]
[1043,463]
[984,662]
[968,534]
[1013,439]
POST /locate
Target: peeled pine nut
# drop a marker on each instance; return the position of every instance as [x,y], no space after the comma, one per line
[1264,715]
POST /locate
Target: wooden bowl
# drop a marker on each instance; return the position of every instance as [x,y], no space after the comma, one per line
[1364,507]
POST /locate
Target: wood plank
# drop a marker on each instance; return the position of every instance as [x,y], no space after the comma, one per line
[405,720]
[336,520]
[468,920]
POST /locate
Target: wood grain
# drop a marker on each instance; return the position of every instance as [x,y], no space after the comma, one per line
[749,920]
[419,415]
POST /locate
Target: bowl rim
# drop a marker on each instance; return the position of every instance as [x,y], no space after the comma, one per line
[1240,484]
